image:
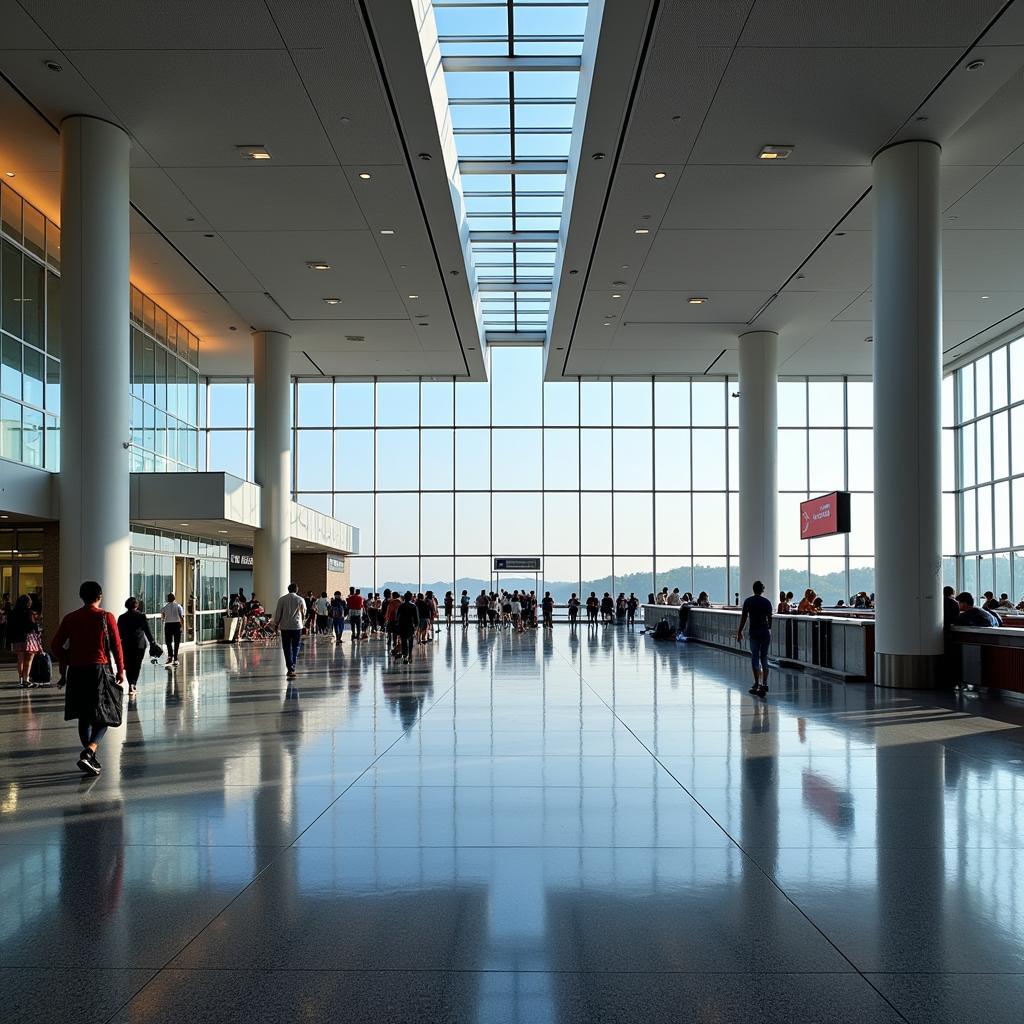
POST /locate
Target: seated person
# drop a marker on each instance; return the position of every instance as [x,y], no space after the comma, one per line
[1005,604]
[783,607]
[703,601]
[806,606]
[818,606]
[840,603]
[972,616]
[990,601]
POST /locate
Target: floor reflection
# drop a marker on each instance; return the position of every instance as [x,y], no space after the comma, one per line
[580,825]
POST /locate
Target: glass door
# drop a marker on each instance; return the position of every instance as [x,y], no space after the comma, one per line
[185,591]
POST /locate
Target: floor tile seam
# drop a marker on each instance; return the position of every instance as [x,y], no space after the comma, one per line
[591,972]
[266,867]
[769,878]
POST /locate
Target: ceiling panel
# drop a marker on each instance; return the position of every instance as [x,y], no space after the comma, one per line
[197,106]
[843,264]
[703,261]
[983,260]
[279,258]
[154,192]
[995,202]
[678,86]
[858,99]
[167,25]
[877,23]
[673,307]
[271,198]
[765,196]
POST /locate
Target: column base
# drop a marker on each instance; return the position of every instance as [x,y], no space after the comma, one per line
[909,671]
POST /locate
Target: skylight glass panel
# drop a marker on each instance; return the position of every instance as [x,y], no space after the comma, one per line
[521,110]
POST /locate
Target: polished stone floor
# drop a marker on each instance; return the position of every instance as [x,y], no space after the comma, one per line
[586,827]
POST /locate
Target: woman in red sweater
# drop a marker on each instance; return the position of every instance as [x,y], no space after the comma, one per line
[92,695]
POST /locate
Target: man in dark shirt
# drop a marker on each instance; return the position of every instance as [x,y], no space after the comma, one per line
[407,621]
[950,609]
[758,611]
[972,616]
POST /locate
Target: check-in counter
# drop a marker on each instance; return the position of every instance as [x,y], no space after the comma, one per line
[839,645]
[991,657]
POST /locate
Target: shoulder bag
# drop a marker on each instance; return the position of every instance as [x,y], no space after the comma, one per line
[110,696]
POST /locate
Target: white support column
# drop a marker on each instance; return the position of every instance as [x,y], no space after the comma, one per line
[758,449]
[95,536]
[272,448]
[907,389]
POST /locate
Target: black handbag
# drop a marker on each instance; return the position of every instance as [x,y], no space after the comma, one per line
[155,650]
[110,698]
[42,668]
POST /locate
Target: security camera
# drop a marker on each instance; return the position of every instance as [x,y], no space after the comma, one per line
[126,445]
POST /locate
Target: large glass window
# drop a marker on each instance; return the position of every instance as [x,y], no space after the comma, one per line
[983,420]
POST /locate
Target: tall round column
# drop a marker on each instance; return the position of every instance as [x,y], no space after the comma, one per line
[95,408]
[758,444]
[272,448]
[907,284]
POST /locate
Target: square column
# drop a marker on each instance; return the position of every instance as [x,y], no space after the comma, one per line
[758,458]
[907,288]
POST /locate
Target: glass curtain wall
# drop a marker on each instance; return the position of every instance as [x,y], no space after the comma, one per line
[619,485]
[989,483]
[29,333]
[165,390]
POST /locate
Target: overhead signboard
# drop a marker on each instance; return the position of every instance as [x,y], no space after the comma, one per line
[825,516]
[239,558]
[335,564]
[517,565]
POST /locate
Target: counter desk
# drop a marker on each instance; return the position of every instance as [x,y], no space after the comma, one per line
[842,645]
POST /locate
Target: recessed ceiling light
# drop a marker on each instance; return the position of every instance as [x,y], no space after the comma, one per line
[253,152]
[697,300]
[318,265]
[413,296]
[775,153]
[332,301]
[641,231]
[52,65]
[659,175]
[869,339]
[222,531]
[975,65]
[616,295]
[10,174]
[986,296]
[365,175]
[183,524]
[5,517]
[387,231]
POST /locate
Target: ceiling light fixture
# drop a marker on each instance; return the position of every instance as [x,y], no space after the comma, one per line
[387,231]
[697,300]
[183,524]
[253,152]
[332,301]
[413,296]
[986,296]
[658,175]
[975,65]
[775,153]
[222,531]
[10,174]
[869,339]
[52,65]
[318,265]
[365,175]
[616,295]
[641,231]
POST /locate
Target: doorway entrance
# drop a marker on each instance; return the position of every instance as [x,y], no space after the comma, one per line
[185,582]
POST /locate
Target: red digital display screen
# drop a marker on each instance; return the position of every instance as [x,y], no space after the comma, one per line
[825,515]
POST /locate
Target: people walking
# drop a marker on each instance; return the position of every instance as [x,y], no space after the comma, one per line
[85,644]
[407,622]
[289,617]
[25,638]
[136,638]
[338,610]
[757,610]
[173,616]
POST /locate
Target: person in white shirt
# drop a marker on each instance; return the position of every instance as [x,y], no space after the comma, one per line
[174,617]
[289,618]
[323,614]
[674,598]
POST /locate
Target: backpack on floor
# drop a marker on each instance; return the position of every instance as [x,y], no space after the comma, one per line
[663,631]
[42,668]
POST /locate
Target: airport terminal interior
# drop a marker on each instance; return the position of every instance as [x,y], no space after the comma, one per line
[578,446]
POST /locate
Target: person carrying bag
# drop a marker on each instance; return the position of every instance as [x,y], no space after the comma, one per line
[93,665]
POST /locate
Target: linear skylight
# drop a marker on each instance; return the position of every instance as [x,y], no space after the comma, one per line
[511,70]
